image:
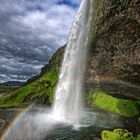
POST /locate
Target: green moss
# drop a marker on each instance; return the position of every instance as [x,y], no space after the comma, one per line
[118,134]
[44,85]
[122,107]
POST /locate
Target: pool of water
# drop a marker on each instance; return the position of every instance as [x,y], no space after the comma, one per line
[38,124]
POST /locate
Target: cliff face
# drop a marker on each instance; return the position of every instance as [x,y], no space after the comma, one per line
[115,41]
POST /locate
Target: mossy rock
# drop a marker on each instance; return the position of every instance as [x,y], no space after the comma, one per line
[118,134]
[101,99]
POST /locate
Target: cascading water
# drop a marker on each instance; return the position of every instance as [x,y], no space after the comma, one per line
[42,123]
[68,104]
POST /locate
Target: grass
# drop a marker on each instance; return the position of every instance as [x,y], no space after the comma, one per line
[118,134]
[126,108]
[43,86]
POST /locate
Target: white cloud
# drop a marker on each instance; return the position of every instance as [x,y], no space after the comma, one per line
[30,32]
[52,23]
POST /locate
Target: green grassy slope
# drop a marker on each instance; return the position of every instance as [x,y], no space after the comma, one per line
[37,87]
[45,85]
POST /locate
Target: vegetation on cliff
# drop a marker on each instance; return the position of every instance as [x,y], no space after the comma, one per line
[101,99]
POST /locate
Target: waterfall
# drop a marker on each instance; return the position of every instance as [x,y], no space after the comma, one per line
[68,103]
[39,123]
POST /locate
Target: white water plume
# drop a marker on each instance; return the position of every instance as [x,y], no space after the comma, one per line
[68,104]
[37,124]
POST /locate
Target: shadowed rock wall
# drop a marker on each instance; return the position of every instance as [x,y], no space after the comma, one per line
[115,41]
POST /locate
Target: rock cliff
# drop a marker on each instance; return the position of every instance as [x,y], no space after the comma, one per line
[115,41]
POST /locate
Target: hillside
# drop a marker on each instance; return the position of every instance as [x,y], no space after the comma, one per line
[36,87]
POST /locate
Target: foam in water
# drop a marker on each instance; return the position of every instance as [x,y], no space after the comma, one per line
[68,103]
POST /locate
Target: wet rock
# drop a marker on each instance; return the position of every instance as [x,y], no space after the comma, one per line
[6,116]
[116,88]
[1,123]
[114,41]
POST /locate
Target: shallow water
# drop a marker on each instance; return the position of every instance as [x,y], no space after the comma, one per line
[38,124]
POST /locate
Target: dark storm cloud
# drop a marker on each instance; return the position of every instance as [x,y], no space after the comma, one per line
[30,32]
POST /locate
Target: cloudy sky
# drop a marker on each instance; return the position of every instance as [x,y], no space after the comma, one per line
[30,32]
